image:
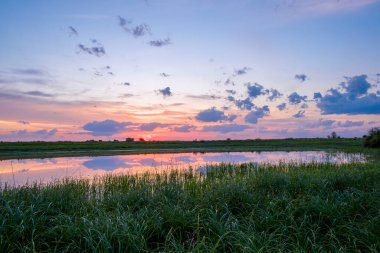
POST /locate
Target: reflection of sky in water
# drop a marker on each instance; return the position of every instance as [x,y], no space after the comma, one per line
[222,158]
[185,159]
[23,171]
[108,163]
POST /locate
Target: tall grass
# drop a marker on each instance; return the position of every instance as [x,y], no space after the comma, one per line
[232,208]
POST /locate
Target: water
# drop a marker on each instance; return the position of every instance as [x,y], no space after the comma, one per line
[23,171]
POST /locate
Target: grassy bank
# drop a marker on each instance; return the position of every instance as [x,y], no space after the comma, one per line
[291,208]
[9,150]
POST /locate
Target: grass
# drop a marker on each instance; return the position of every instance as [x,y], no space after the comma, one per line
[9,150]
[233,208]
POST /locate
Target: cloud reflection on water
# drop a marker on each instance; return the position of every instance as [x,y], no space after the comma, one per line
[47,170]
[107,163]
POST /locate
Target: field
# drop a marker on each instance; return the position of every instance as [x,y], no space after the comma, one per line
[316,207]
[233,208]
[10,150]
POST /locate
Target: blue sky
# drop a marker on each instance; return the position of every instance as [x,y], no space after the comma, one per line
[52,79]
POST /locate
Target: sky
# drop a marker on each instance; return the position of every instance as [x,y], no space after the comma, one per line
[186,70]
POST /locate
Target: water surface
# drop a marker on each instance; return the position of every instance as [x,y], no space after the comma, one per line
[22,171]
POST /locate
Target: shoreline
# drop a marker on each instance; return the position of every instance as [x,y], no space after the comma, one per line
[28,150]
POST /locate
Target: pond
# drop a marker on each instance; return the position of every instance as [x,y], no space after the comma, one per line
[26,171]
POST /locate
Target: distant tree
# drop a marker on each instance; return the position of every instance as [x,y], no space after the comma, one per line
[141,139]
[333,135]
[228,139]
[372,140]
[129,139]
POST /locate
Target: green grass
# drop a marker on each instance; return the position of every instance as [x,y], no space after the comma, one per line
[10,150]
[234,208]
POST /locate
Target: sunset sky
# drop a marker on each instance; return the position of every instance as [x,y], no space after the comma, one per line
[188,69]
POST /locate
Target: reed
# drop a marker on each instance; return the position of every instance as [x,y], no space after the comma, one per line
[230,208]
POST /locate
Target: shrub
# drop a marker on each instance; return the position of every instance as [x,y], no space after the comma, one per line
[372,140]
[333,135]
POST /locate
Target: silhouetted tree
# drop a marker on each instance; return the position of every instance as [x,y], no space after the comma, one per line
[372,140]
[333,135]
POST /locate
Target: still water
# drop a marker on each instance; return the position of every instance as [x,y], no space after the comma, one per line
[26,171]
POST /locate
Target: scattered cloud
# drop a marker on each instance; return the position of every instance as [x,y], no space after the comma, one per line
[229,82]
[37,93]
[356,86]
[300,77]
[34,72]
[227,128]
[242,71]
[317,95]
[165,92]
[243,104]
[326,123]
[281,106]
[278,132]
[232,92]
[350,123]
[27,135]
[255,90]
[105,128]
[97,49]
[141,30]
[136,31]
[27,76]
[163,74]
[232,117]
[152,126]
[160,43]
[184,128]
[24,80]
[295,98]
[256,114]
[273,94]
[123,23]
[351,97]
[72,31]
[11,96]
[104,71]
[213,115]
[204,96]
[299,114]
[126,95]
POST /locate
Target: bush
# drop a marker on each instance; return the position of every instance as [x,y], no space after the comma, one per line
[372,140]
